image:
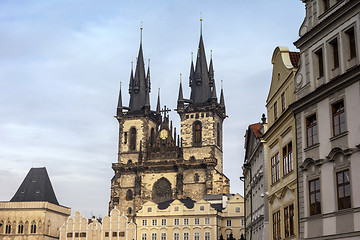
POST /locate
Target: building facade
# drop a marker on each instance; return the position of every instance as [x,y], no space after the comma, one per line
[154,162]
[115,226]
[279,143]
[256,183]
[34,212]
[187,219]
[327,120]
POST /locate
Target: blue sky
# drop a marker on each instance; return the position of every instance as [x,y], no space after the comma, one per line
[61,63]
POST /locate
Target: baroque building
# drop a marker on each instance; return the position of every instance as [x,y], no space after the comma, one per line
[327,90]
[279,145]
[256,183]
[154,162]
[187,219]
[34,212]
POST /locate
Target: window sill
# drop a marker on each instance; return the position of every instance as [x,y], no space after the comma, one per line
[316,145]
[339,136]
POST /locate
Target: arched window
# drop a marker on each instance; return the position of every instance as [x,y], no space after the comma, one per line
[218,137]
[21,228]
[196,177]
[8,228]
[129,195]
[197,132]
[132,138]
[161,190]
[129,211]
[152,137]
[33,227]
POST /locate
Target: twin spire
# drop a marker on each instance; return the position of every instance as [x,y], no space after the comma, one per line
[201,82]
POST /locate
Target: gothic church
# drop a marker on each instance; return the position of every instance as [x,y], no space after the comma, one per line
[154,162]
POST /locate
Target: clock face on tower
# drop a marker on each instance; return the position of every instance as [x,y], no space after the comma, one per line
[163,134]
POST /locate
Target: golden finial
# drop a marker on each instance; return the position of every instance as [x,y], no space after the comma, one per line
[141,28]
[211,53]
[201,23]
[200,16]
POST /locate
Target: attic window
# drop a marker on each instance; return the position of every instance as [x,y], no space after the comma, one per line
[33,180]
[37,191]
[202,208]
[22,191]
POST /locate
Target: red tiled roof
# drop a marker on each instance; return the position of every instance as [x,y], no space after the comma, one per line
[294,58]
[256,127]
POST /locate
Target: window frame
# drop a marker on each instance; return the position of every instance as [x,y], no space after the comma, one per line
[338,114]
[288,162]
[289,220]
[319,54]
[351,41]
[276,220]
[275,168]
[283,103]
[345,201]
[334,45]
[275,111]
[132,141]
[317,204]
[197,133]
[311,124]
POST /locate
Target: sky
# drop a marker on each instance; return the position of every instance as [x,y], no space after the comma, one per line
[62,61]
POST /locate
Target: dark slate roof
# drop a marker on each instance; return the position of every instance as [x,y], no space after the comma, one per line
[35,187]
[188,202]
[217,206]
[294,58]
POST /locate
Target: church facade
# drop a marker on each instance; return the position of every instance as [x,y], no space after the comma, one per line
[157,164]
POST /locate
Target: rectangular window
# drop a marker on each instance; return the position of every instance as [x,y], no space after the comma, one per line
[289,220]
[163,236]
[143,236]
[176,221]
[153,236]
[275,168]
[207,235]
[83,234]
[343,189]
[352,46]
[207,221]
[338,116]
[76,235]
[314,197]
[320,62]
[276,226]
[163,222]
[176,209]
[283,101]
[196,236]
[69,235]
[275,111]
[176,236]
[287,159]
[228,223]
[197,221]
[335,53]
[326,5]
[144,222]
[121,234]
[311,130]
[106,234]
[114,234]
[125,137]
[154,222]
[186,236]
[186,221]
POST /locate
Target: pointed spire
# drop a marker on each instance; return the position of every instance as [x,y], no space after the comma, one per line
[119,106]
[180,96]
[131,83]
[222,100]
[211,72]
[147,102]
[214,96]
[158,103]
[192,71]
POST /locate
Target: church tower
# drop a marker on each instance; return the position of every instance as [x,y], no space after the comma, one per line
[154,162]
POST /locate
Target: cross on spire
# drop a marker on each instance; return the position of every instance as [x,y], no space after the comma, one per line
[165,110]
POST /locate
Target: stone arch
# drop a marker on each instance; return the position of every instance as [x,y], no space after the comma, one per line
[161,190]
[129,195]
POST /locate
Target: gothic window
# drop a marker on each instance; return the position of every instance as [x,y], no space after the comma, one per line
[196,177]
[129,195]
[33,227]
[161,191]
[218,137]
[132,138]
[21,228]
[125,137]
[152,136]
[129,211]
[197,132]
[8,228]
